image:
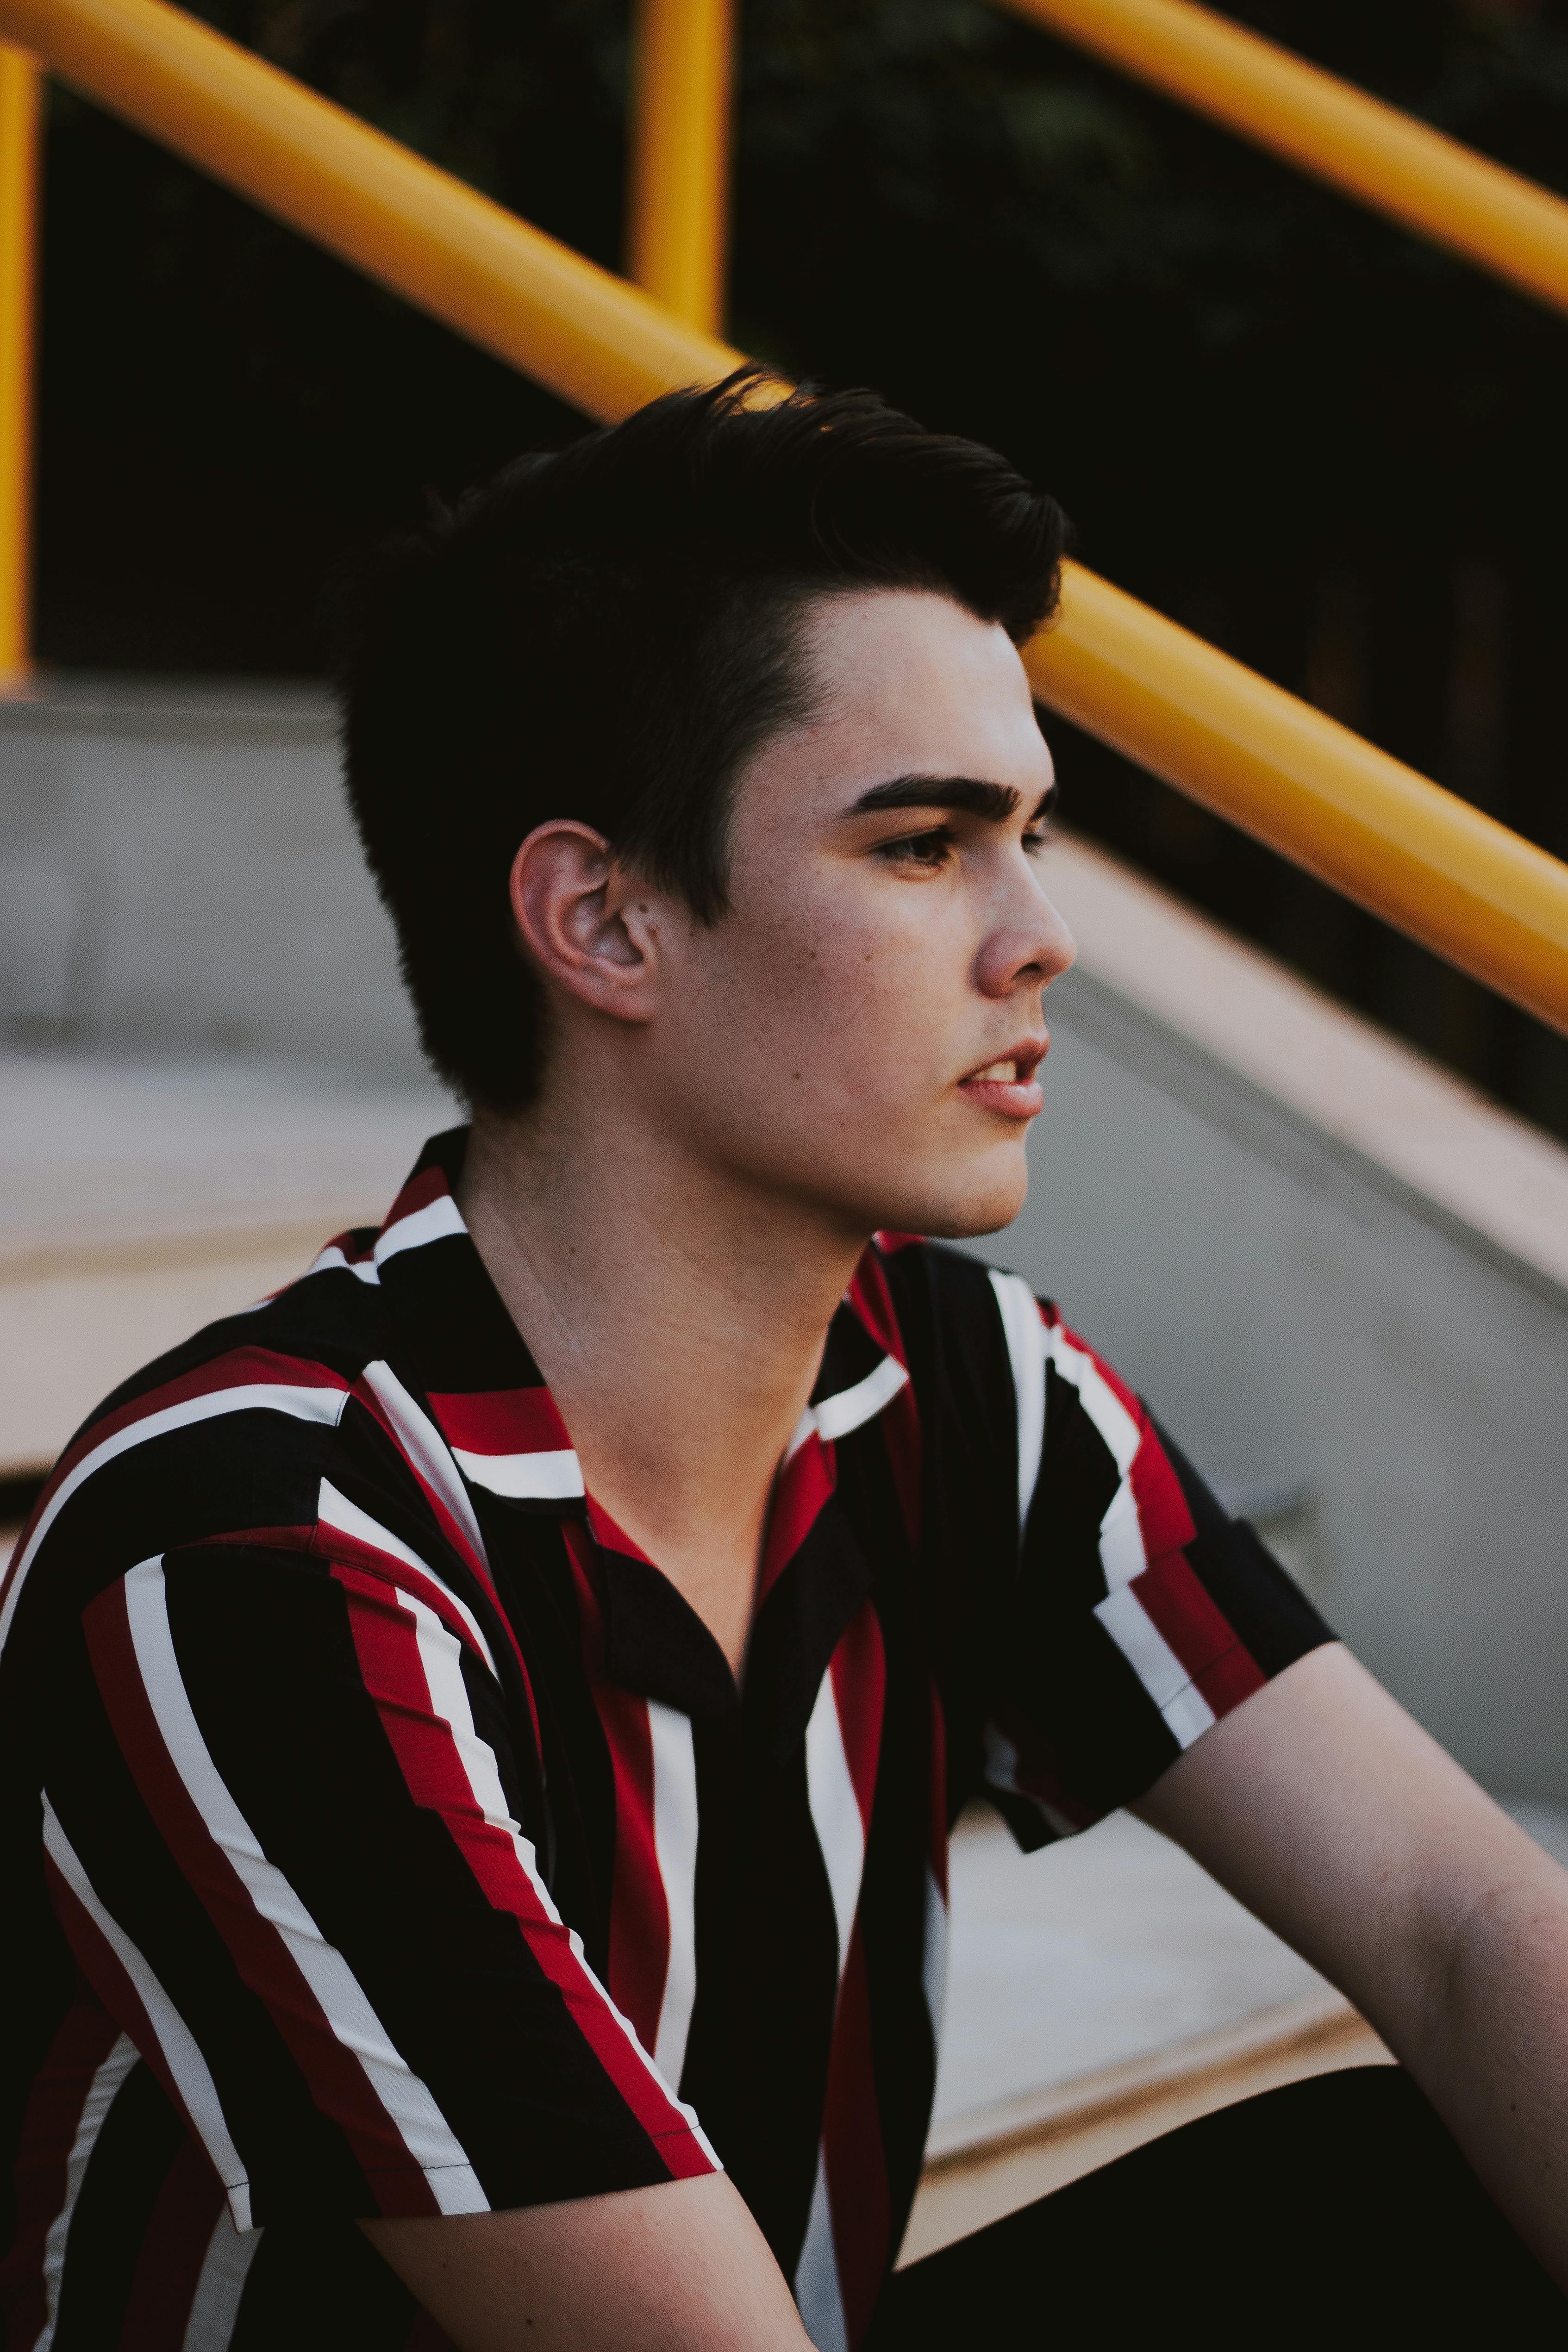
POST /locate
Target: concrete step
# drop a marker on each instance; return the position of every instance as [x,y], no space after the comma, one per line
[142,1197]
[1104,1991]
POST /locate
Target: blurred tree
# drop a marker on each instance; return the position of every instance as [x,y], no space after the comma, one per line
[1305,434]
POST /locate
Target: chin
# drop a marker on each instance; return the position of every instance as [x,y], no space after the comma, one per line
[960,1209]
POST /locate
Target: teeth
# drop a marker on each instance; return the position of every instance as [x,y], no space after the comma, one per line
[1007,1072]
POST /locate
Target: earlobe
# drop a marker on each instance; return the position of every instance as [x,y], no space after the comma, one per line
[569,902]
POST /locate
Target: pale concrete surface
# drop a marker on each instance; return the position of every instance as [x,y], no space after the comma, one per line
[141,1200]
[1102,1950]
[177,869]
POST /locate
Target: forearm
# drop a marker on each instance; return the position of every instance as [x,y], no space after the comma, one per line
[1488,2046]
[681,2268]
[1334,1816]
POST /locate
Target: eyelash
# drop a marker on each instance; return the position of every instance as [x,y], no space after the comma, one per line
[904,851]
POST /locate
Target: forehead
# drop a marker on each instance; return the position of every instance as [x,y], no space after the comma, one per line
[902,682]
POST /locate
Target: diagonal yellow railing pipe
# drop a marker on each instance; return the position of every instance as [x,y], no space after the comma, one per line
[1388,160]
[1451,878]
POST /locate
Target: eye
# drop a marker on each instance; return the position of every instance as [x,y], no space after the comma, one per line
[928,850]
[1039,836]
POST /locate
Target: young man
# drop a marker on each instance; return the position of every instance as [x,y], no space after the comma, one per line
[483,1726]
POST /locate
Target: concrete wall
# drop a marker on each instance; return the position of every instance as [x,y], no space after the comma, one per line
[1323,1342]
[178,870]
[1341,1281]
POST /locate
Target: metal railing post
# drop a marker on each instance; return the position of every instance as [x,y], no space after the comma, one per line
[19,93]
[679,175]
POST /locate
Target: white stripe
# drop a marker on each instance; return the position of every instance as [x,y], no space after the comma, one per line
[1122,1553]
[1186,1711]
[816,2290]
[1101,1402]
[405,2099]
[336,1511]
[322,1404]
[675,1843]
[215,2306]
[1023,1329]
[835,1811]
[364,1269]
[934,1966]
[426,1449]
[100,2096]
[434,1222]
[196,2088]
[549,1477]
[442,1660]
[836,1416]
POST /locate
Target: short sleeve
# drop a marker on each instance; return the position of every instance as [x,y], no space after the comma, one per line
[1141,1613]
[281,1816]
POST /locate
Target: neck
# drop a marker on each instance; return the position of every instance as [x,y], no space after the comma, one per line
[678,1314]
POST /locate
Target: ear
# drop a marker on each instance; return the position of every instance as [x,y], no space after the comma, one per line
[586,922]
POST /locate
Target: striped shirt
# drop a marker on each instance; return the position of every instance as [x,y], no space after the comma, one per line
[384,1834]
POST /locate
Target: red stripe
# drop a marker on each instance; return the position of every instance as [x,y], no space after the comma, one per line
[173,2247]
[299,1539]
[240,1367]
[891,1243]
[1112,1379]
[426,1751]
[873,1302]
[639,1912]
[639,1908]
[338,1550]
[1196,1628]
[501,1421]
[806,1481]
[430,1184]
[852,2154]
[86,2034]
[452,1526]
[336,2081]
[99,1964]
[1162,1513]
[610,1536]
[859,1671]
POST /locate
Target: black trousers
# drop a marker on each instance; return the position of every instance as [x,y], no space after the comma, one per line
[1333,2212]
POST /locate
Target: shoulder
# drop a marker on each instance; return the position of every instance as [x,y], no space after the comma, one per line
[224,1438]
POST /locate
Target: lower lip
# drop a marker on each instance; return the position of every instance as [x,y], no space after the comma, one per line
[1011,1098]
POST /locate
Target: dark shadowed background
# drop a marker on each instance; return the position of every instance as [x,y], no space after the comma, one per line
[1311,438]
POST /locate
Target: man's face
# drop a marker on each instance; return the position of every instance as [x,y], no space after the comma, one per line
[862,1028]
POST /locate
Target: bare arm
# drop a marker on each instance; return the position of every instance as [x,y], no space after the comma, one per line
[681,2268]
[1330,1814]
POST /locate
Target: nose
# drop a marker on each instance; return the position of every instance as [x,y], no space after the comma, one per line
[1029,945]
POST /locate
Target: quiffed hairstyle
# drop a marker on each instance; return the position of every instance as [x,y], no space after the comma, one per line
[609,633]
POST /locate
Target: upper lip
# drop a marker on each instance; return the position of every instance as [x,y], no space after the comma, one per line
[1026,1057]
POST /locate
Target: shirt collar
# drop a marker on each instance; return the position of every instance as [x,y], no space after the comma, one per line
[507,1437]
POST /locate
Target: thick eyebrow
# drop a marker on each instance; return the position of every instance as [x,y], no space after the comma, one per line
[969,795]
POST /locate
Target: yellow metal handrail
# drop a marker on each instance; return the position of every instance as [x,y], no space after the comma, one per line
[18,232]
[1422,859]
[1328,127]
[678,213]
